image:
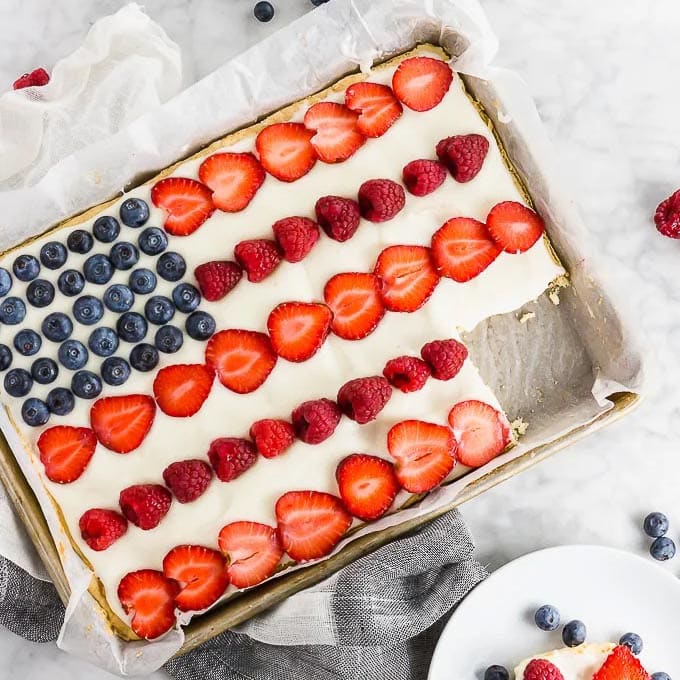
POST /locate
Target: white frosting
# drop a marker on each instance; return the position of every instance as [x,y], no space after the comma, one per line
[575,663]
[508,283]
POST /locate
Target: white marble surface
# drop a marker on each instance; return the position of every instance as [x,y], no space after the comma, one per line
[604,75]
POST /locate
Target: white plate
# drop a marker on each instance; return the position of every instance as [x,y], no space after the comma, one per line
[611,591]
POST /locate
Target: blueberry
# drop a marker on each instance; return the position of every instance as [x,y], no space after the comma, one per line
[88,310]
[27,342]
[153,241]
[53,255]
[200,325]
[143,281]
[40,293]
[134,212]
[144,357]
[661,676]
[169,339]
[159,309]
[131,327]
[44,371]
[171,266]
[186,297]
[496,672]
[5,357]
[103,341]
[633,641]
[12,311]
[57,327]
[18,382]
[71,282]
[263,11]
[656,524]
[60,401]
[35,412]
[662,549]
[86,385]
[115,371]
[119,298]
[574,633]
[73,355]
[106,229]
[98,269]
[124,255]
[80,241]
[26,267]
[5,282]
[547,617]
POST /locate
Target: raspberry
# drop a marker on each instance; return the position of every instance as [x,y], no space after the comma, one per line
[187,479]
[363,398]
[667,216]
[231,457]
[422,177]
[101,528]
[463,155]
[216,279]
[259,257]
[296,236]
[408,374]
[272,437]
[36,78]
[380,199]
[315,421]
[445,357]
[338,217]
[145,505]
[541,669]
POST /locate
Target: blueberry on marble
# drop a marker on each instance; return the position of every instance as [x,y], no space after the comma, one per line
[40,293]
[662,548]
[60,401]
[73,355]
[124,255]
[35,412]
[53,255]
[26,268]
[547,617]
[186,297]
[106,229]
[88,310]
[159,309]
[144,357]
[171,266]
[143,281]
[71,282]
[134,212]
[27,342]
[98,269]
[661,676]
[169,339]
[12,311]
[18,382]
[574,633]
[80,241]
[118,298]
[131,327]
[103,341]
[152,241]
[115,371]
[633,641]
[86,385]
[200,325]
[496,672]
[5,282]
[57,327]
[5,357]
[656,524]
[44,371]
[263,11]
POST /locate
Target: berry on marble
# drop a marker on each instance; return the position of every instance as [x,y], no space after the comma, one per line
[73,355]
[27,342]
[71,282]
[86,385]
[574,633]
[263,11]
[134,212]
[57,327]
[124,255]
[169,339]
[60,401]
[26,268]
[18,382]
[44,371]
[171,266]
[88,310]
[152,241]
[496,672]
[318,3]
[200,325]
[131,327]
[660,675]
[53,255]
[186,297]
[118,298]
[662,549]
[103,341]
[667,216]
[5,282]
[35,412]
[115,371]
[547,617]
[633,641]
[40,293]
[106,229]
[142,281]
[144,357]
[36,78]
[12,311]
[5,357]
[656,524]
[159,310]
[80,241]
[98,269]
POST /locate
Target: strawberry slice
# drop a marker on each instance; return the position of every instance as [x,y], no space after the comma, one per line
[149,598]
[355,301]
[66,451]
[201,574]
[242,359]
[180,390]
[367,485]
[481,432]
[298,329]
[379,109]
[621,664]
[234,179]
[337,135]
[514,227]
[122,423]
[253,551]
[188,204]
[424,454]
[462,248]
[310,523]
[408,276]
[422,82]
[286,151]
